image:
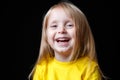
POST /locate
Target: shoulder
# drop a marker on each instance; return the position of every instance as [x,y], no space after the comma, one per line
[87,65]
[90,69]
[42,65]
[39,70]
[86,61]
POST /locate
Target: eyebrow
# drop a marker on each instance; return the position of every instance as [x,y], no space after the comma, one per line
[66,21]
[54,22]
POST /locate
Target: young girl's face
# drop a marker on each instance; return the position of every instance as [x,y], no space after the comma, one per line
[60,31]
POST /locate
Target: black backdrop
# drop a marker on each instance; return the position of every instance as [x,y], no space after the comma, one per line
[28,18]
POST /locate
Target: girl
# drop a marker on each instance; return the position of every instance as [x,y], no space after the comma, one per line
[67,50]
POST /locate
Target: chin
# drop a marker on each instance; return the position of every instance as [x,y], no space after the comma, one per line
[63,49]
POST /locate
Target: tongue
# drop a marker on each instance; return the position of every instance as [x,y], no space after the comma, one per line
[62,42]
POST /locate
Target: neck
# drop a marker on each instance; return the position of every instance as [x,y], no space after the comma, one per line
[62,57]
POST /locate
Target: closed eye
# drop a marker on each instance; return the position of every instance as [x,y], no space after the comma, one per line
[69,25]
[53,26]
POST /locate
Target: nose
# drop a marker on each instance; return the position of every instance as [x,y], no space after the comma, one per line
[62,30]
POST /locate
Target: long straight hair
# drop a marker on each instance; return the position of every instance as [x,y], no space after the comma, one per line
[84,44]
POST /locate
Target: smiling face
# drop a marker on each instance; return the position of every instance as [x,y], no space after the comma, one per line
[60,32]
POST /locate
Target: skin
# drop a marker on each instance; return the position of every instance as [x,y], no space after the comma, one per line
[61,34]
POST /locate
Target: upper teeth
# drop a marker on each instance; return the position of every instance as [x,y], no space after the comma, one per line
[61,39]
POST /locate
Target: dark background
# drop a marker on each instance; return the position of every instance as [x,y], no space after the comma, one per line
[27,17]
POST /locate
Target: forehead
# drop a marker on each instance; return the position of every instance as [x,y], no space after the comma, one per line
[59,13]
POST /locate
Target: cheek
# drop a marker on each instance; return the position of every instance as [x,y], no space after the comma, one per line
[72,33]
[50,36]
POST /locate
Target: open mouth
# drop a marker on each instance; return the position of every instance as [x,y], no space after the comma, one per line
[63,39]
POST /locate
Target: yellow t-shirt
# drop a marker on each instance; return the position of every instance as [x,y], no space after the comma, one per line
[82,69]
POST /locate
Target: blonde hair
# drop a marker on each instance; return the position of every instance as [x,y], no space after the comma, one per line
[84,39]
[84,44]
